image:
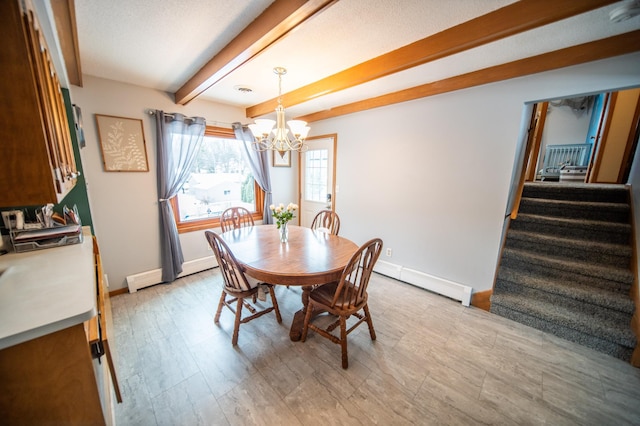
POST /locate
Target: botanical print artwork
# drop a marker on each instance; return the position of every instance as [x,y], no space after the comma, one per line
[122,143]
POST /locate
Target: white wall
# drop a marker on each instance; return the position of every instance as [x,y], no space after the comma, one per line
[430,177]
[563,126]
[124,206]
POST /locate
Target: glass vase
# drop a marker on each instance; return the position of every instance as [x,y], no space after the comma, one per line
[284,233]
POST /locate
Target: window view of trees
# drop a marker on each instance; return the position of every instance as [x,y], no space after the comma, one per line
[220,178]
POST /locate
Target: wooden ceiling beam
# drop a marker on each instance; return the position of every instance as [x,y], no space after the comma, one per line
[575,55]
[507,21]
[274,23]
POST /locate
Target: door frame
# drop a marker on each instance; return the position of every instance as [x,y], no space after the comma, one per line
[334,136]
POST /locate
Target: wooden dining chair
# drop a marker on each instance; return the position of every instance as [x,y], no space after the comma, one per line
[234,218]
[238,287]
[328,221]
[345,298]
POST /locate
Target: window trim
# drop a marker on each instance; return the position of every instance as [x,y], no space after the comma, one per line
[202,224]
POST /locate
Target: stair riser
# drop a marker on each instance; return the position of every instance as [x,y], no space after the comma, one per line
[583,253]
[618,351]
[554,192]
[577,276]
[573,212]
[588,234]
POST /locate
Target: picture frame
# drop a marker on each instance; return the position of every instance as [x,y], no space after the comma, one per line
[122,144]
[281,161]
[77,120]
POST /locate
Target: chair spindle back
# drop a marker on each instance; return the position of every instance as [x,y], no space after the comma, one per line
[233,275]
[352,288]
[235,218]
[327,220]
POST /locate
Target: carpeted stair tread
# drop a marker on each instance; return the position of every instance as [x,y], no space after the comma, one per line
[569,289]
[576,191]
[604,346]
[614,212]
[575,319]
[566,263]
[605,272]
[596,312]
[592,230]
[544,271]
[591,251]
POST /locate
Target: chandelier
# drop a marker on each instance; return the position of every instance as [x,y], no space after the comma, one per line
[278,139]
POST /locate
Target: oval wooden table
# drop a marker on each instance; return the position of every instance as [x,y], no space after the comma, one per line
[308,258]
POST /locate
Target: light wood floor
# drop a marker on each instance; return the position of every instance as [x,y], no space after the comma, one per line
[434,362]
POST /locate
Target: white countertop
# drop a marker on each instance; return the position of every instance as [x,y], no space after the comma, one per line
[46,290]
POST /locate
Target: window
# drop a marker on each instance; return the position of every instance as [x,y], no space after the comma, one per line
[221,178]
[316,179]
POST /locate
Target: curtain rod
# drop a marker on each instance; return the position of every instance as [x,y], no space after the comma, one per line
[213,123]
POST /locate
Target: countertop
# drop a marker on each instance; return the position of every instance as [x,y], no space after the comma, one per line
[45,291]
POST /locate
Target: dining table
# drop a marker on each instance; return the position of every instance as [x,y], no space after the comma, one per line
[308,258]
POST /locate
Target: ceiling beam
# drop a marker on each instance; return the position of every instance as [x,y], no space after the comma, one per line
[575,55]
[507,21]
[64,14]
[273,24]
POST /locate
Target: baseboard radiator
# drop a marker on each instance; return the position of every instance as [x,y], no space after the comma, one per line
[145,279]
[419,279]
[428,282]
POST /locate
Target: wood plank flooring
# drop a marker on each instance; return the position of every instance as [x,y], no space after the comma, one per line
[434,362]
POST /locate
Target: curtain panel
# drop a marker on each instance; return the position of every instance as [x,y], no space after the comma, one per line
[259,162]
[178,141]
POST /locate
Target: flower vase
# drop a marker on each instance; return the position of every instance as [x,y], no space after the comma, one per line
[284,233]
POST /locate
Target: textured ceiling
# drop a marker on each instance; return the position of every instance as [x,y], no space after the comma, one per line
[162,44]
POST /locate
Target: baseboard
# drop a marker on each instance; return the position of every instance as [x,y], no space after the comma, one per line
[118,292]
[420,279]
[482,300]
[428,282]
[145,279]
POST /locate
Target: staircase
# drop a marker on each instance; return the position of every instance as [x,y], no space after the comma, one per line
[565,267]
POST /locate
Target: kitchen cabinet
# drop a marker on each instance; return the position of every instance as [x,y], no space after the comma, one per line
[37,165]
[55,358]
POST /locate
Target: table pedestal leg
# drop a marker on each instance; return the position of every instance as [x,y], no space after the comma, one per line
[298,318]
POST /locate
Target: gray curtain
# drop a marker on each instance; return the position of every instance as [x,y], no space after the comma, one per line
[179,140]
[259,162]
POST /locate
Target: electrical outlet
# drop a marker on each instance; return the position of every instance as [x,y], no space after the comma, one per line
[389,252]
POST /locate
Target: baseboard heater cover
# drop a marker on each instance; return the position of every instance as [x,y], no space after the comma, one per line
[420,279]
[437,285]
[145,279]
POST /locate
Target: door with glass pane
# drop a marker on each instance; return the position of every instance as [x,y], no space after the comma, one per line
[317,177]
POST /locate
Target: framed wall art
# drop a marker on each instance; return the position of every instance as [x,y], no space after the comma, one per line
[122,144]
[281,160]
[77,119]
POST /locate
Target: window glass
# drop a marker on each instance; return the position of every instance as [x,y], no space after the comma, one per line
[316,175]
[220,178]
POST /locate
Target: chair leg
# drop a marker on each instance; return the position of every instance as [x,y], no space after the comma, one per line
[220,305]
[307,318]
[274,301]
[343,342]
[236,325]
[372,331]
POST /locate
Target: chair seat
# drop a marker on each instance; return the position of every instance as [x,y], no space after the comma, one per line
[324,294]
